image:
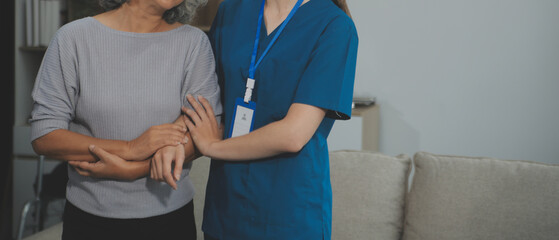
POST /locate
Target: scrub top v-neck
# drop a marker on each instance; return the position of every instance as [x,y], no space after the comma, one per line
[312,62]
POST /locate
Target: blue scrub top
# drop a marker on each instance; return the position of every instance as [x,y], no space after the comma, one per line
[312,62]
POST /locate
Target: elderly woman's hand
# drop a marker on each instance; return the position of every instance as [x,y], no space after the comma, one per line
[166,165]
[153,139]
[110,166]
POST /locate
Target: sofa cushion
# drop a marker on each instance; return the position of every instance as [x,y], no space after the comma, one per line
[454,197]
[368,194]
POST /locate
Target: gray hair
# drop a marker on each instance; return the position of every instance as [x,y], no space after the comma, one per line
[183,13]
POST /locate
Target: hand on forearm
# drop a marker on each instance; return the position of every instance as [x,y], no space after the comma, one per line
[288,135]
[66,145]
[167,163]
[207,135]
[111,166]
[153,139]
[202,124]
[112,162]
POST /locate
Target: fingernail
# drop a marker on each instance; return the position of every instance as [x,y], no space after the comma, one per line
[177,176]
[185,140]
[91,147]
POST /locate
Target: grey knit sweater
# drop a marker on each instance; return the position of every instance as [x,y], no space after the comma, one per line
[110,84]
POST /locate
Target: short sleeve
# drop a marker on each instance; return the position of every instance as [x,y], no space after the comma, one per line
[329,76]
[55,91]
[201,79]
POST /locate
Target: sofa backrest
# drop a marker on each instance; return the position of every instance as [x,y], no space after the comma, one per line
[456,198]
[369,192]
[451,197]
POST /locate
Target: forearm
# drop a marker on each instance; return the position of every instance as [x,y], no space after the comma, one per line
[288,135]
[136,169]
[114,167]
[271,140]
[70,146]
[190,151]
[257,144]
[110,166]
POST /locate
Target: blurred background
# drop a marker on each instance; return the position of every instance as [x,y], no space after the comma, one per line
[476,78]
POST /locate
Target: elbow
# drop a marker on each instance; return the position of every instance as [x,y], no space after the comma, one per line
[294,144]
[293,139]
[39,146]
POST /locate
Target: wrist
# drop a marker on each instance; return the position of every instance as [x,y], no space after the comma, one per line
[180,121]
[126,151]
[211,150]
[136,169]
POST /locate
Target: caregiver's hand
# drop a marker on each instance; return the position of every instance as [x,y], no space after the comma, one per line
[203,126]
[110,166]
[153,139]
[166,165]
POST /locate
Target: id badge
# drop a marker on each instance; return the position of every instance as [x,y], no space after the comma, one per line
[243,118]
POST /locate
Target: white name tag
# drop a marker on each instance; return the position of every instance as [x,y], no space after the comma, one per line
[243,117]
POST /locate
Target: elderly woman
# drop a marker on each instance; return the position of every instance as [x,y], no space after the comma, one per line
[107,99]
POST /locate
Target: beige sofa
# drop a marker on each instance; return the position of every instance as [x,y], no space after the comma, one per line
[450,197]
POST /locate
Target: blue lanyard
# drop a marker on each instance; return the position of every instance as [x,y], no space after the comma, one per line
[253,66]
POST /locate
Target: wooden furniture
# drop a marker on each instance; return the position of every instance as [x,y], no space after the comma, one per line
[361,132]
[205,15]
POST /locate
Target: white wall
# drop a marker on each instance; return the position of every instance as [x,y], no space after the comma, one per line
[463,77]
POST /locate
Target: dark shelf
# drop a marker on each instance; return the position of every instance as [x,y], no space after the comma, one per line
[33,49]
